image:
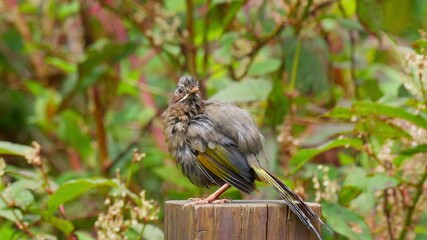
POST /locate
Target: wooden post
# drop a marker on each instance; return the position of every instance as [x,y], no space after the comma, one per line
[245,220]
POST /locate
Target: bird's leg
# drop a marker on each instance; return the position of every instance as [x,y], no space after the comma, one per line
[211,198]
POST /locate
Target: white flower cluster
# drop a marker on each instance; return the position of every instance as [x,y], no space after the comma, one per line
[325,188]
[415,69]
[33,157]
[109,225]
[122,214]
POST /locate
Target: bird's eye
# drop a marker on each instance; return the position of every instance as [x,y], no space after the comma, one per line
[180,90]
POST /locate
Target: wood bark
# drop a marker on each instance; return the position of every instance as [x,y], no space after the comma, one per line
[245,220]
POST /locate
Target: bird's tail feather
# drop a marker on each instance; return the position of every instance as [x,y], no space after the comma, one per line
[294,202]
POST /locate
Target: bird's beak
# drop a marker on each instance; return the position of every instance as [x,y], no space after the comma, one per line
[194,90]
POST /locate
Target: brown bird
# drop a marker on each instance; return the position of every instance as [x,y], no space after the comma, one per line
[216,143]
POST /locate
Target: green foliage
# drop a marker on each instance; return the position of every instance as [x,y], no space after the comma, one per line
[72,189]
[302,156]
[250,90]
[346,222]
[337,87]
[363,109]
[15,149]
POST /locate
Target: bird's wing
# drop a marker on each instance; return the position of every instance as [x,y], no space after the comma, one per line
[236,124]
[217,161]
[219,156]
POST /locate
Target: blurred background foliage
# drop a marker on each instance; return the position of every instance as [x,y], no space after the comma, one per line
[338,88]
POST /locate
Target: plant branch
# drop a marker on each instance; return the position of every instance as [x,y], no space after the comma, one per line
[306,10]
[230,18]
[352,54]
[36,57]
[189,45]
[321,6]
[295,67]
[423,90]
[263,40]
[205,39]
[142,86]
[292,93]
[353,64]
[46,185]
[411,209]
[388,215]
[260,42]
[101,136]
[136,24]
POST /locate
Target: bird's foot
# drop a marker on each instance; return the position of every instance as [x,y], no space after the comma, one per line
[199,201]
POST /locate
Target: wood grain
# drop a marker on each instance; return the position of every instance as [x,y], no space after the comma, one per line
[245,220]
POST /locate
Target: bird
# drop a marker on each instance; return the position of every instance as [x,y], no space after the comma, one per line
[218,144]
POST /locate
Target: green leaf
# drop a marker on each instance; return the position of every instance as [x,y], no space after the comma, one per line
[18,192]
[70,131]
[8,230]
[417,149]
[364,203]
[20,197]
[104,51]
[353,175]
[358,178]
[15,149]
[224,53]
[420,46]
[74,188]
[372,108]
[9,215]
[264,67]
[83,235]
[278,104]
[151,231]
[421,229]
[340,113]
[94,65]
[324,132]
[351,24]
[346,159]
[370,14]
[64,225]
[302,156]
[245,91]
[370,89]
[381,129]
[406,153]
[367,108]
[172,172]
[349,6]
[67,9]
[380,182]
[31,218]
[347,194]
[61,64]
[345,222]
[45,105]
[312,67]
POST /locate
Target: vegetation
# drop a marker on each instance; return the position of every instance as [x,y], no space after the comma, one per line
[338,87]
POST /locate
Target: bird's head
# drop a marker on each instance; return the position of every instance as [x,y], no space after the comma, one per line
[187,89]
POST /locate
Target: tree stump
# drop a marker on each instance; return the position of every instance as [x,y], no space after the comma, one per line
[245,220]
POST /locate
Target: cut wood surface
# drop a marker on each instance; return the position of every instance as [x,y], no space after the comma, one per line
[246,220]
